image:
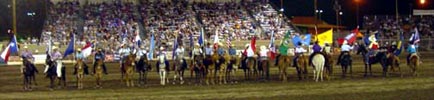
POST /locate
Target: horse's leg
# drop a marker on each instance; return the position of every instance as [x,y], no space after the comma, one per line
[370,70]
[366,70]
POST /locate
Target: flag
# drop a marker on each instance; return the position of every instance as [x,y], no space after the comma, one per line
[175,46]
[351,38]
[70,49]
[87,50]
[216,39]
[138,40]
[357,33]
[284,44]
[228,42]
[152,46]
[306,39]
[366,40]
[252,47]
[272,52]
[325,37]
[415,38]
[200,40]
[296,39]
[10,49]
[399,45]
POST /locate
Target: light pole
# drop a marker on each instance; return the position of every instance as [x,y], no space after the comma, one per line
[319,13]
[14,17]
[357,11]
[396,9]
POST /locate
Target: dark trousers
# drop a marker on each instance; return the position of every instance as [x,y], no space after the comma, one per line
[340,56]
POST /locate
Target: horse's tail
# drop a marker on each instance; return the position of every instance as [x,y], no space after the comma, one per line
[318,61]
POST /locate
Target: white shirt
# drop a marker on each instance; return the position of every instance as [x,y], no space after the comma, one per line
[180,52]
[327,49]
[141,53]
[124,51]
[346,47]
[300,50]
[197,51]
[263,53]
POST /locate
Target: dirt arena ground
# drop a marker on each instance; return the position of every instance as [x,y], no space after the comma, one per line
[356,87]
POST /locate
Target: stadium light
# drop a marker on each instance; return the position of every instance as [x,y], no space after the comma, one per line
[422,1]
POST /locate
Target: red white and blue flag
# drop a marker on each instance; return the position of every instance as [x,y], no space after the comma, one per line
[272,52]
[10,49]
[415,38]
[87,49]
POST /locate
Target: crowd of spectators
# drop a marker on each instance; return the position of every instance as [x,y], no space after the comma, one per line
[226,18]
[269,18]
[62,20]
[167,19]
[390,27]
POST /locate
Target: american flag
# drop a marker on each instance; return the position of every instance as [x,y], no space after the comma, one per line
[228,42]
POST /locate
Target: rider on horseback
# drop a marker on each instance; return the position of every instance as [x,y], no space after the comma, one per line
[56,57]
[411,51]
[80,56]
[99,56]
[345,48]
[197,51]
[162,66]
[299,51]
[123,52]
[316,50]
[180,53]
[27,56]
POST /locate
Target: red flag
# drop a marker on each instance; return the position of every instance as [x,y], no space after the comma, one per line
[252,47]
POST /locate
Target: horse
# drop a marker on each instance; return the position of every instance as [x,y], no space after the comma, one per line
[380,57]
[98,71]
[393,62]
[328,65]
[179,67]
[263,67]
[346,63]
[128,69]
[211,70]
[283,61]
[79,71]
[225,60]
[318,62]
[28,70]
[162,66]
[55,70]
[197,68]
[232,68]
[301,66]
[413,64]
[142,67]
[250,69]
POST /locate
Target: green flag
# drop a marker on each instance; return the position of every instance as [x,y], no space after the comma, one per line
[284,44]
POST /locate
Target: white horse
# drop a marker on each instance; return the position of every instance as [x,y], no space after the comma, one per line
[318,62]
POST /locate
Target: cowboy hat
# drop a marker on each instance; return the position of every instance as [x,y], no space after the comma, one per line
[161,48]
[263,47]
[54,47]
[78,49]
[247,45]
[25,47]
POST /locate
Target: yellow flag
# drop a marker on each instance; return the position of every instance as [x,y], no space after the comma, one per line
[325,37]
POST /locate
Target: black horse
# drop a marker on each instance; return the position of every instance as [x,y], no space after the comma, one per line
[142,67]
[380,57]
[29,70]
[346,63]
[51,72]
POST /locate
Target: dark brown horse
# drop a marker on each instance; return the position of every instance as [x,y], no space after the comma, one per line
[197,68]
[28,70]
[128,68]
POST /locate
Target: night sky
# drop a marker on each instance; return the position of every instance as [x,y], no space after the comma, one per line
[366,7]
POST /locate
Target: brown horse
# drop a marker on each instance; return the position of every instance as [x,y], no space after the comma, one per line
[394,63]
[128,68]
[211,70]
[79,71]
[263,68]
[301,67]
[328,72]
[223,68]
[283,62]
[414,63]
[232,68]
[98,71]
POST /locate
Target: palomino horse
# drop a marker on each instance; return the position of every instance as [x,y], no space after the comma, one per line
[301,66]
[79,71]
[142,67]
[346,62]
[232,68]
[393,62]
[197,68]
[318,62]
[283,62]
[28,70]
[414,63]
[179,68]
[98,70]
[225,61]
[211,70]
[128,67]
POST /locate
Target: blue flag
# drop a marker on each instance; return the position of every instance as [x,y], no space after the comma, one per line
[306,39]
[175,46]
[296,39]
[200,41]
[366,40]
[151,48]
[14,46]
[70,48]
